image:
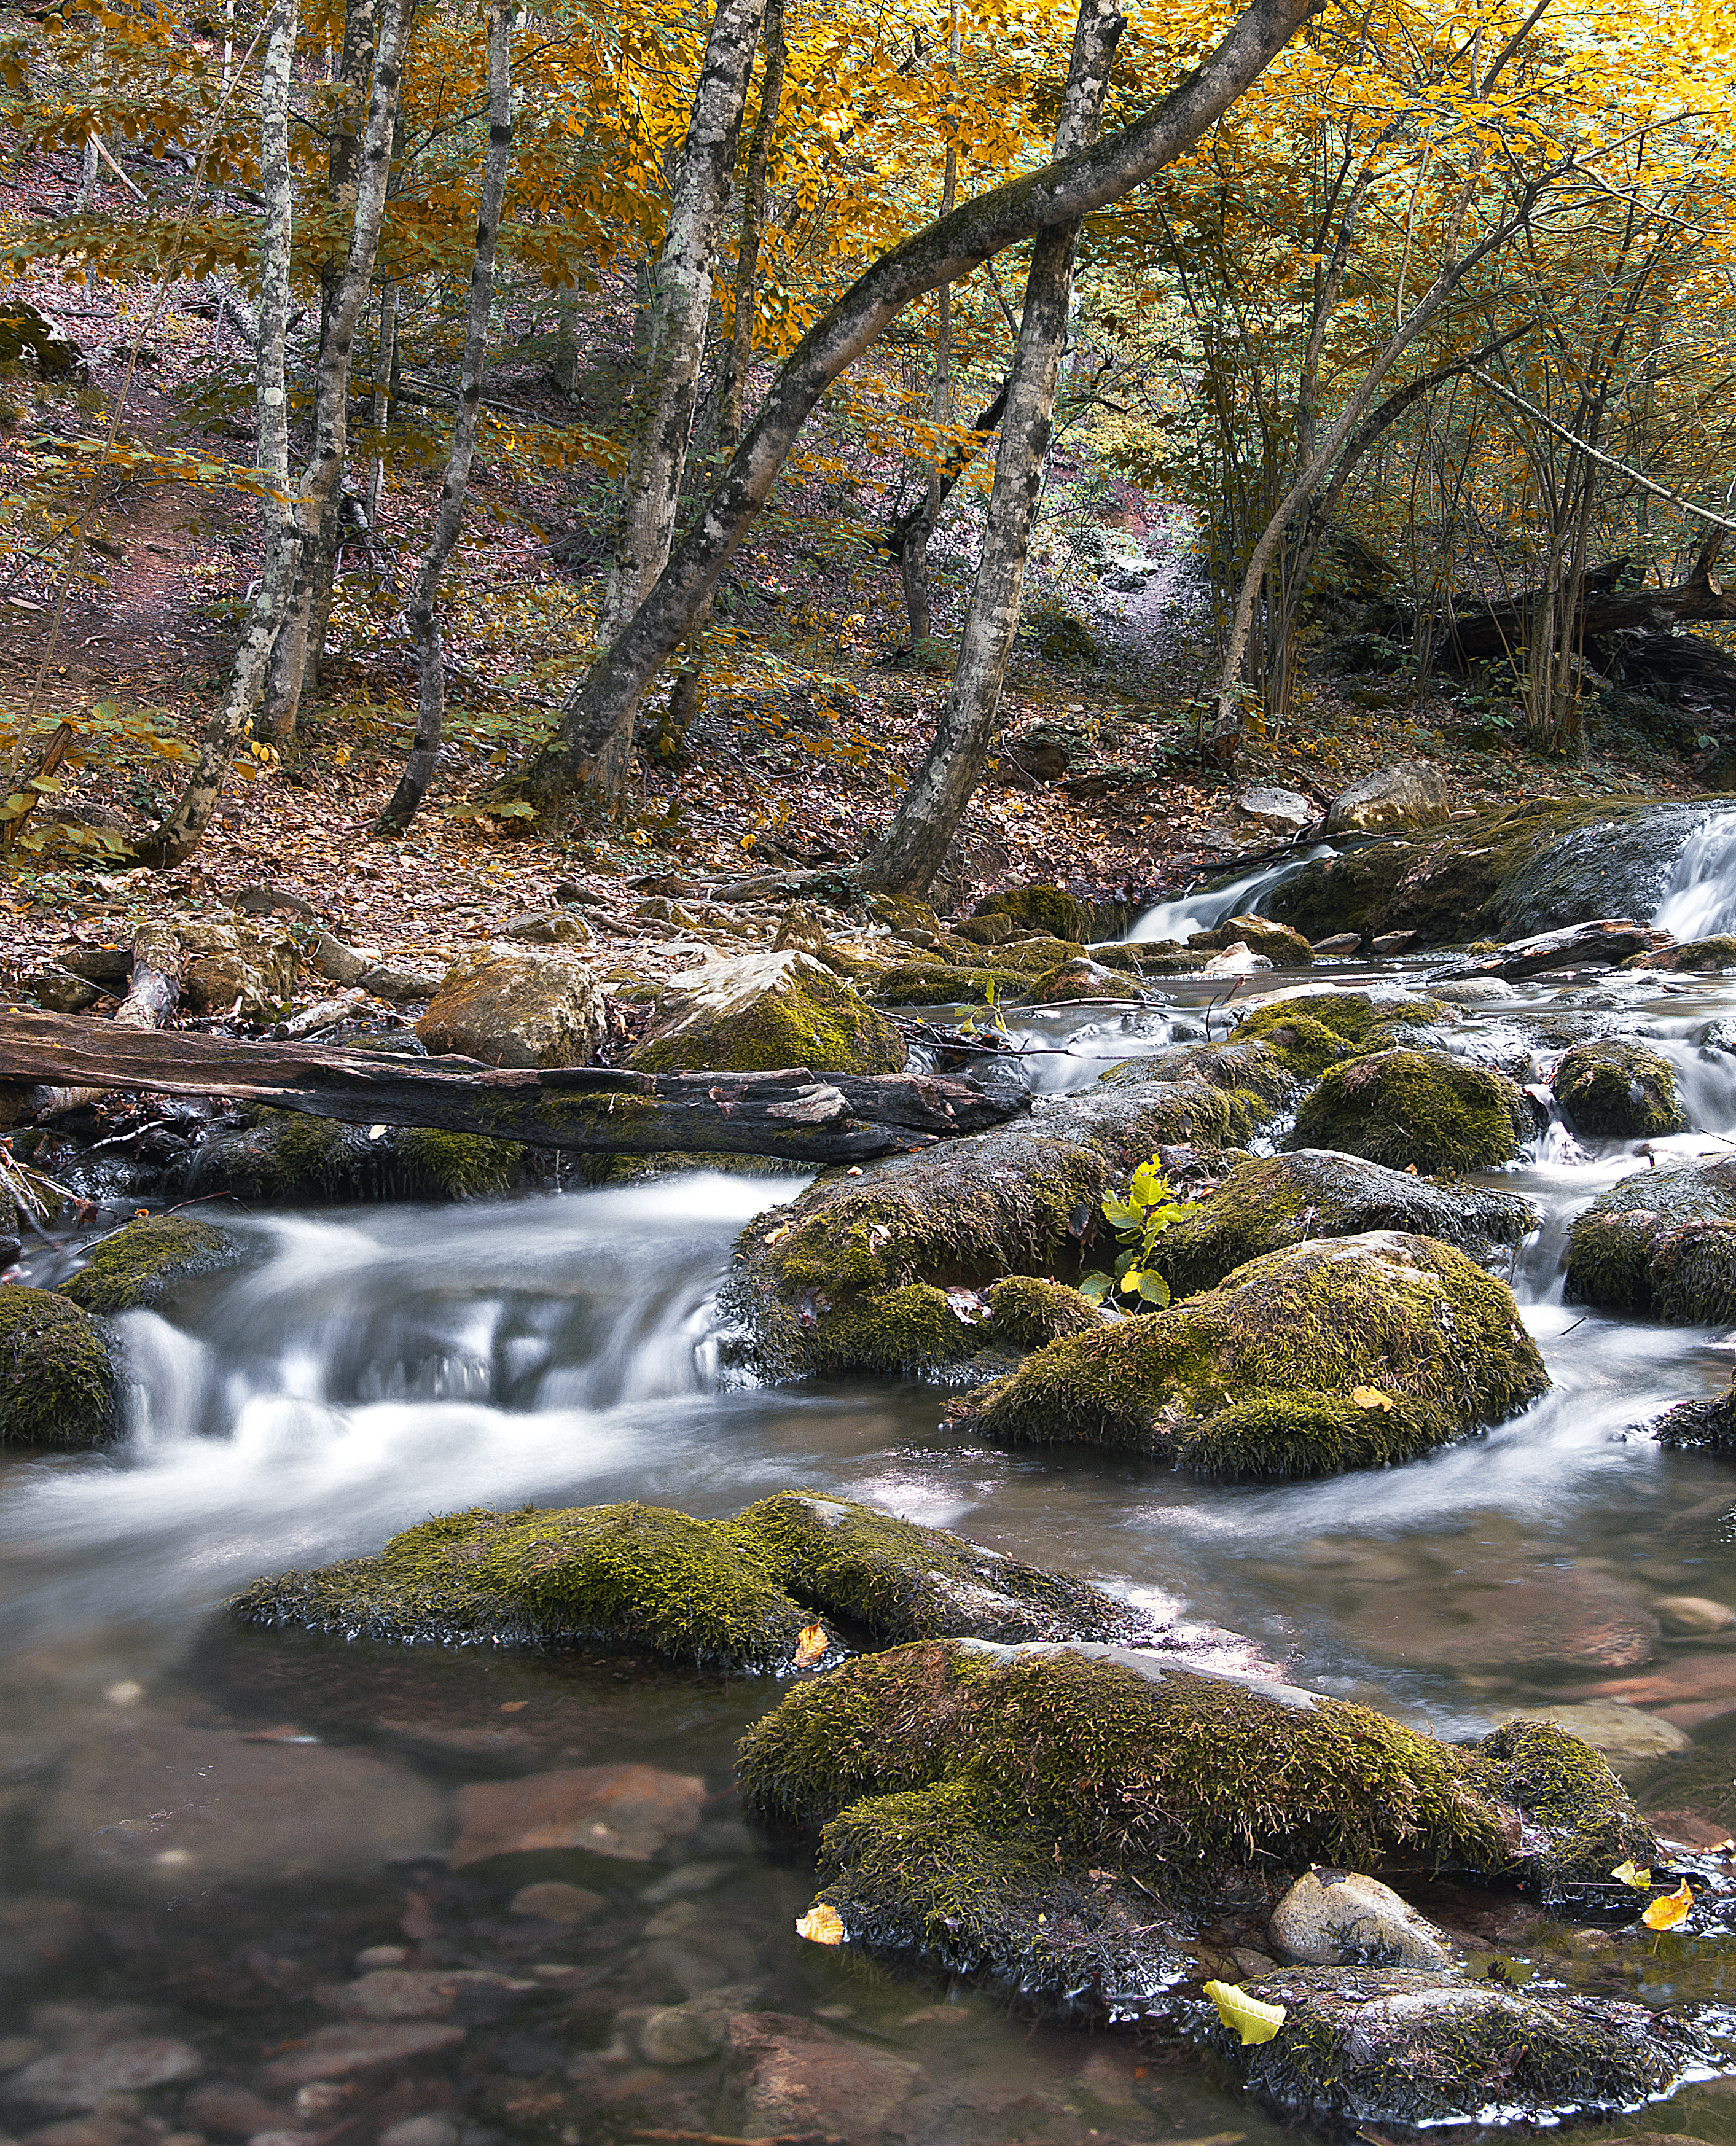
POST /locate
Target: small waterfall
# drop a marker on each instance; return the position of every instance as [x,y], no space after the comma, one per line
[1700,901]
[1210,905]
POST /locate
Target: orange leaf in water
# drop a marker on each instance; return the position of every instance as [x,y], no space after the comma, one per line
[1665,1913]
[811,1645]
[821,1925]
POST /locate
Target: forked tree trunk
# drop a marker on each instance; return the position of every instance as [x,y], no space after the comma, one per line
[184,825]
[908,853]
[424,621]
[587,753]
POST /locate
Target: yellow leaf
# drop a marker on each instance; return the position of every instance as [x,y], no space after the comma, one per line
[1640,1880]
[1664,1913]
[821,1925]
[1371,1397]
[812,1646]
[1252,2021]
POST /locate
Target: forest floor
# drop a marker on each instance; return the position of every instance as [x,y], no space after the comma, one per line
[796,760]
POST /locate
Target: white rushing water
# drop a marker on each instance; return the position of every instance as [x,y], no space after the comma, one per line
[1204,910]
[1701,899]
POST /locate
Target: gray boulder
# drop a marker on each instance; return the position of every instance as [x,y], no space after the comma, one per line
[1411,794]
[509,1004]
[1343,1918]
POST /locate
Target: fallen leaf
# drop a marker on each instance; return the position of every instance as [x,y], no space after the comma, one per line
[1670,1909]
[1252,2021]
[1640,1880]
[810,1645]
[1371,1397]
[514,1705]
[821,1926]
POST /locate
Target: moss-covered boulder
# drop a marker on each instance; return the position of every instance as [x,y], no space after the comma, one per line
[1409,2046]
[1045,908]
[1081,978]
[58,1380]
[1262,1086]
[1619,1089]
[510,1004]
[1345,1352]
[1703,957]
[1004,1812]
[733,1595]
[765,1010]
[1277,1201]
[1662,1241]
[1422,1107]
[1318,1029]
[1584,1821]
[1283,948]
[939,983]
[1036,957]
[991,931]
[284,1158]
[136,1264]
[1701,1426]
[884,1272]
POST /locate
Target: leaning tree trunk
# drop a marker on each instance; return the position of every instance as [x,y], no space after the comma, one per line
[424,623]
[680,301]
[184,825]
[945,251]
[908,853]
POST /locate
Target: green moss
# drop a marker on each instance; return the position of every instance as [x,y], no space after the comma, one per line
[1266,1204]
[898,1329]
[1402,1316]
[1422,1107]
[286,1157]
[1036,957]
[1619,1089]
[1047,907]
[1701,956]
[138,1263]
[935,983]
[807,1017]
[437,1165]
[1663,1242]
[901,914]
[1030,1312]
[1569,1795]
[58,1383]
[988,931]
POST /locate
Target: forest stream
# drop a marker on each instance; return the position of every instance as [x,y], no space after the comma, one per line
[289,1796]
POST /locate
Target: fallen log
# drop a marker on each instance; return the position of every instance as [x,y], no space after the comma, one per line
[791,1114]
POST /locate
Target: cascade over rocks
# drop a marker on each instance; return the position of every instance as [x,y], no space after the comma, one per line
[1619,1089]
[1662,1241]
[1052,1819]
[1345,1352]
[1425,1108]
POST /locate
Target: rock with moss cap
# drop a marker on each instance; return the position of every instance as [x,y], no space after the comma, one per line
[1411,2047]
[1693,956]
[1053,1820]
[140,1263]
[734,1594]
[1701,1426]
[1584,1823]
[1273,1201]
[1662,1241]
[282,1156]
[1046,908]
[939,983]
[1283,948]
[1082,978]
[761,1011]
[1260,1087]
[1312,1030]
[58,1385]
[1619,1089]
[1425,1108]
[885,1272]
[1345,1352]
[510,1004]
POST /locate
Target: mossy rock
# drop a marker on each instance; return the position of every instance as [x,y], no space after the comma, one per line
[1350,1021]
[1047,909]
[139,1263]
[732,1594]
[1000,1811]
[1036,957]
[1276,1201]
[1283,948]
[1027,1312]
[1422,1107]
[283,1157]
[902,916]
[1569,1792]
[1662,1241]
[767,1010]
[937,983]
[1694,956]
[854,1274]
[1150,958]
[994,930]
[58,1385]
[1619,1089]
[1346,1352]
[1263,1085]
[1080,978]
[1702,1426]
[1407,2047]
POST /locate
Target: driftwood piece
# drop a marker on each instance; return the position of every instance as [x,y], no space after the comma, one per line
[792,1114]
[159,961]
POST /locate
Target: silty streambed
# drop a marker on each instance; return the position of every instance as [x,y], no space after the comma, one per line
[209,1825]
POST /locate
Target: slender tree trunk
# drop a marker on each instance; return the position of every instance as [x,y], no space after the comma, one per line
[184,825]
[424,621]
[907,855]
[684,698]
[945,251]
[913,554]
[680,303]
[380,413]
[564,370]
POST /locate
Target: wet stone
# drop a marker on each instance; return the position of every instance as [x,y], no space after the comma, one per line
[333,2053]
[233,2112]
[794,2075]
[406,1993]
[624,1812]
[81,2078]
[688,2033]
[553,1901]
[1343,1918]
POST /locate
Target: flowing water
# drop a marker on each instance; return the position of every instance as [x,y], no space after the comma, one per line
[205,1826]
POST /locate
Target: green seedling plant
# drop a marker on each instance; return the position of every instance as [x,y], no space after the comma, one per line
[1149,1209]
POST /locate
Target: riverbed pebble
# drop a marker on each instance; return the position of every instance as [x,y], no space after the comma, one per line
[555,1901]
[420,2131]
[392,1993]
[81,2078]
[793,2074]
[235,2111]
[1618,1732]
[624,1812]
[1344,1918]
[1685,1615]
[339,2052]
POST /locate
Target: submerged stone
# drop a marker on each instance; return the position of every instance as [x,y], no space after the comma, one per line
[1425,1108]
[1619,1089]
[1400,2046]
[1663,1242]
[767,1010]
[138,1264]
[1273,1202]
[626,1812]
[1339,1353]
[58,1385]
